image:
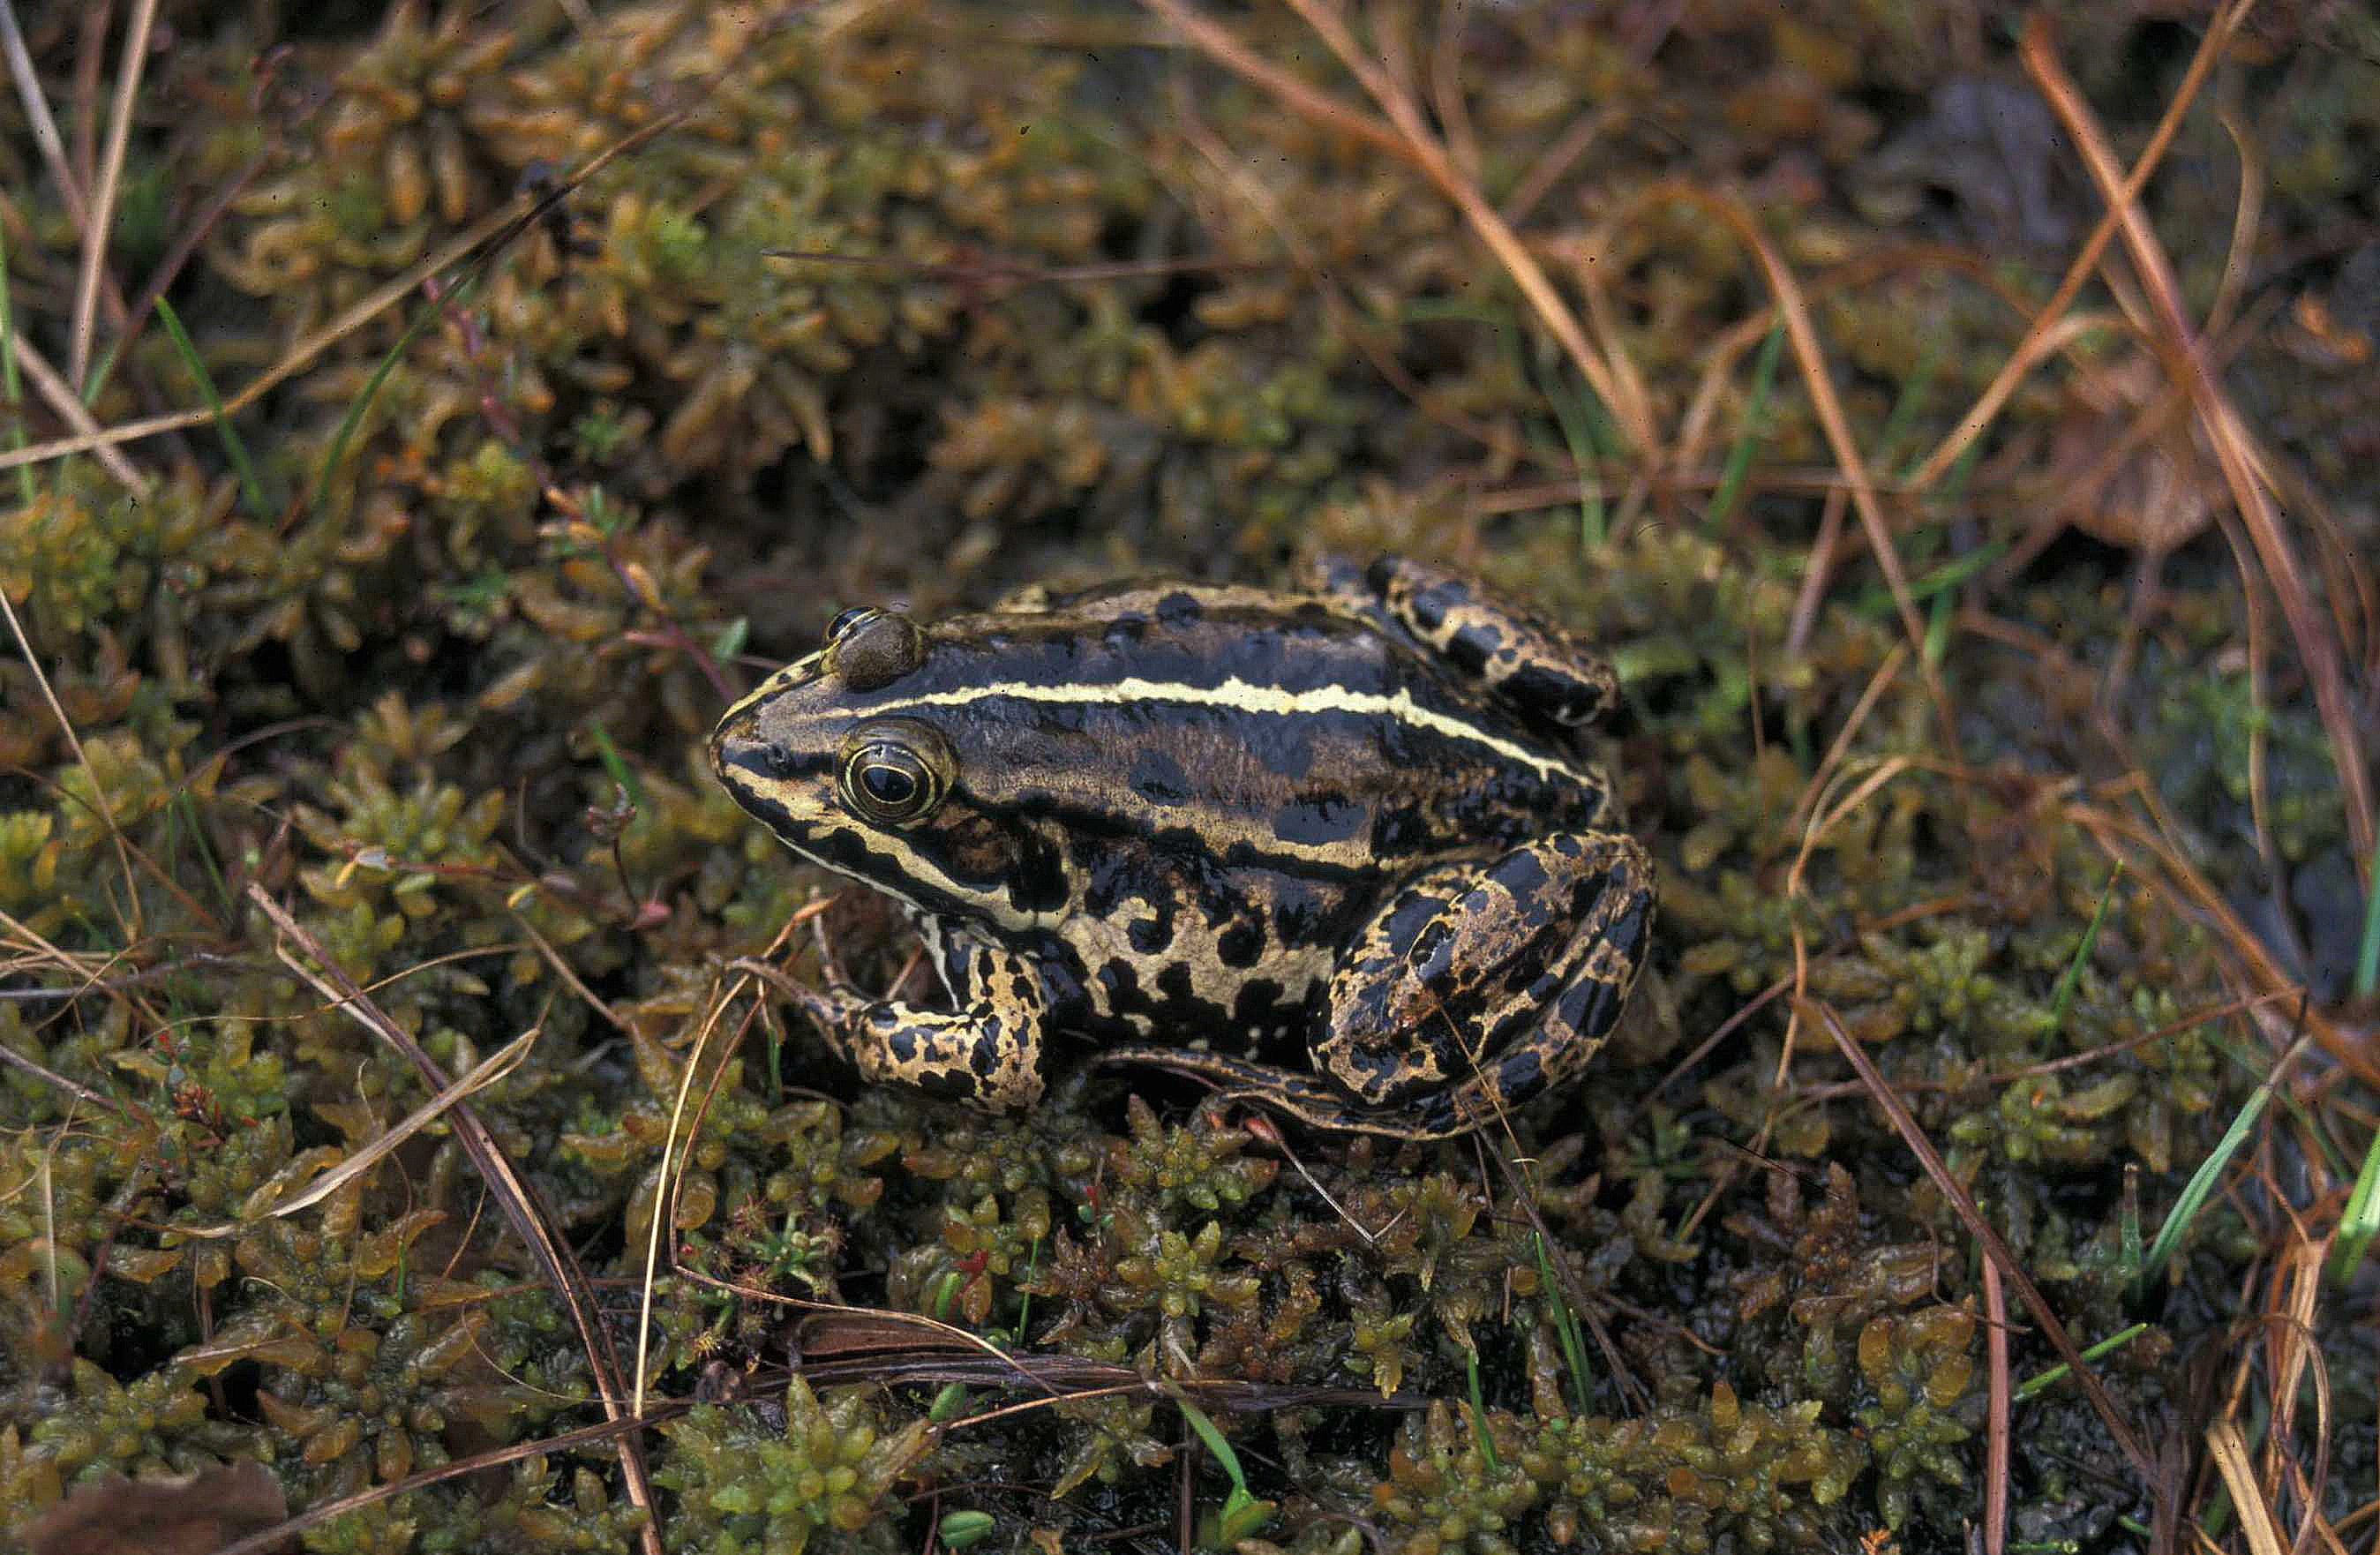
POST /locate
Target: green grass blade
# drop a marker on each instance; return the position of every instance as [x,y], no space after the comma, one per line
[616,766]
[1913,395]
[1747,436]
[1950,575]
[2061,1000]
[1565,1323]
[2361,1220]
[347,423]
[1479,1413]
[2200,1186]
[2367,954]
[224,429]
[1243,1514]
[1220,1449]
[10,386]
[1585,431]
[2042,1380]
[1938,629]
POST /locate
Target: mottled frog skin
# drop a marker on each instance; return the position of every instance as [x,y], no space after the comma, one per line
[1334,849]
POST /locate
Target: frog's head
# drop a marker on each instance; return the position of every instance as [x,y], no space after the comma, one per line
[847,755]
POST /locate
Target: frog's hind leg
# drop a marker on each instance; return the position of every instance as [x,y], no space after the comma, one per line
[1479,986]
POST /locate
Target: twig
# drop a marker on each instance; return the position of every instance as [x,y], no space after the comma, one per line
[1995,1433]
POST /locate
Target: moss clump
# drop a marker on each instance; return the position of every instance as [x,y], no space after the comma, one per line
[743,1486]
[94,1427]
[1918,1367]
[1715,1475]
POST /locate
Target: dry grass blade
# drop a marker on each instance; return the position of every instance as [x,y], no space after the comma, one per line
[70,409]
[2230,1450]
[1614,387]
[665,1200]
[2153,858]
[1410,140]
[485,234]
[104,441]
[845,1345]
[494,1067]
[1962,1204]
[73,743]
[111,180]
[2233,446]
[513,1196]
[36,112]
[1811,356]
[1996,1429]
[2086,260]
[2291,1356]
[586,1436]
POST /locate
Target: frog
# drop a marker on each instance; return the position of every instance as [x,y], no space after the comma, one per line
[1336,849]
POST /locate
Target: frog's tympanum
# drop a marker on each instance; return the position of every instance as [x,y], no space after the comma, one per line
[1334,849]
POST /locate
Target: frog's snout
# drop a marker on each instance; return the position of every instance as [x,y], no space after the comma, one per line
[739,751]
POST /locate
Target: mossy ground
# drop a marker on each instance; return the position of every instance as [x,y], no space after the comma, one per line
[920,302]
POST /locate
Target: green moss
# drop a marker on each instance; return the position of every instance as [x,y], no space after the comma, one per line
[744,1487]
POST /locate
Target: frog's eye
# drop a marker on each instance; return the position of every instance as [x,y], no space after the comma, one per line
[893,771]
[868,647]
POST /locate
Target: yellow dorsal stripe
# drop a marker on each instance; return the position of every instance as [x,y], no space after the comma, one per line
[1241,695]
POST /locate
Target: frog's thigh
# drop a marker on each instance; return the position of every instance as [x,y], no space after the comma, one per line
[987,1052]
[1500,977]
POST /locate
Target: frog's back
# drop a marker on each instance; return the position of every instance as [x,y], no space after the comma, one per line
[1278,727]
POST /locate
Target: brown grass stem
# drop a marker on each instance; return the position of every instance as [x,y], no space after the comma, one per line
[1962,1204]
[111,180]
[2233,445]
[2087,259]
[519,1203]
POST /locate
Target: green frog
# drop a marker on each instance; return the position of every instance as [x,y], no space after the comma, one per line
[1334,849]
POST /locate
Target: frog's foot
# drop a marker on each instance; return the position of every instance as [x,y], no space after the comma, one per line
[988,1052]
[1315,1102]
[1543,670]
[1478,985]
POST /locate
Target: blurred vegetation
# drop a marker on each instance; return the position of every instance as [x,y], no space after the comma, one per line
[920,302]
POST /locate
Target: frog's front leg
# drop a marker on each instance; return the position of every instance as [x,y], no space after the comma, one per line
[987,1052]
[1476,986]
